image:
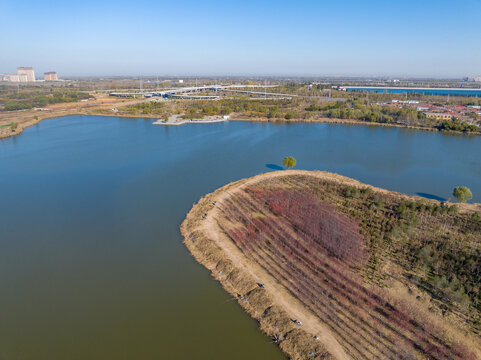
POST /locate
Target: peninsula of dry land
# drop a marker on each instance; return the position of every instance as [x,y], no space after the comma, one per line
[333,268]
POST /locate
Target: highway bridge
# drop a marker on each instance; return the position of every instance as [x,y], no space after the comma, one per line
[182,92]
[186,90]
[261,93]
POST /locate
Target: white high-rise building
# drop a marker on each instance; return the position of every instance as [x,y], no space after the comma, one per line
[28,71]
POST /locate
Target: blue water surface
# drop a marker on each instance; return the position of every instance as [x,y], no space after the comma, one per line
[452,92]
[91,260]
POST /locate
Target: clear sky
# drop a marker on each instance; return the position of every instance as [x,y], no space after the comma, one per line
[316,38]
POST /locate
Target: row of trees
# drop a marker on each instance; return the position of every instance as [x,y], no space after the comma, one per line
[362,110]
[301,108]
[457,126]
[359,111]
[267,108]
[152,107]
[263,108]
[29,100]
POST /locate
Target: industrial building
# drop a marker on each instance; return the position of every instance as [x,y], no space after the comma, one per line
[50,76]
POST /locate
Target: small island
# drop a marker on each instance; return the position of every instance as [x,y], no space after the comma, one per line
[333,268]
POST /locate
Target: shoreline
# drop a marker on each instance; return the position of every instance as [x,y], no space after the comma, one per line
[30,117]
[354,122]
[29,123]
[217,120]
[53,114]
[272,306]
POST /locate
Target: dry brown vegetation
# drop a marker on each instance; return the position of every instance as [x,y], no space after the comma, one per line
[365,261]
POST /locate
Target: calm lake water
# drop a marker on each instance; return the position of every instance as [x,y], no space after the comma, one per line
[452,92]
[91,260]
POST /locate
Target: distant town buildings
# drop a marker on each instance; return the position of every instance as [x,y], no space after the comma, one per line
[470,114]
[477,78]
[28,71]
[50,76]
[411,102]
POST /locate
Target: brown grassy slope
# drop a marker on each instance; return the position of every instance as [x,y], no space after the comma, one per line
[366,320]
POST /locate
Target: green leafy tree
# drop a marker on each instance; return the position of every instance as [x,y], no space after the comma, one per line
[462,193]
[289,161]
[13,126]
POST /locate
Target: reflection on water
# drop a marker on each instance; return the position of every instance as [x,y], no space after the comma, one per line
[274,167]
[91,260]
[431,196]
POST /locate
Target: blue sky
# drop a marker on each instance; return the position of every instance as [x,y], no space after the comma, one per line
[316,38]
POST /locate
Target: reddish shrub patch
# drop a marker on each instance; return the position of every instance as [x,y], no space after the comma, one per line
[316,220]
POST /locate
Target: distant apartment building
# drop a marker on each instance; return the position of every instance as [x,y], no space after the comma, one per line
[438,116]
[15,77]
[477,79]
[50,76]
[28,71]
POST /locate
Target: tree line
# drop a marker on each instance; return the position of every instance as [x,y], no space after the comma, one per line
[29,100]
